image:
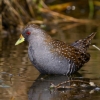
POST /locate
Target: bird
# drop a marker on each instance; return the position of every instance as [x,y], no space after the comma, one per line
[51,56]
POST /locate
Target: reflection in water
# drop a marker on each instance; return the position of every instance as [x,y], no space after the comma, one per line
[40,90]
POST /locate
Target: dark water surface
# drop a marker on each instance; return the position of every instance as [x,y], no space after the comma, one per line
[19,80]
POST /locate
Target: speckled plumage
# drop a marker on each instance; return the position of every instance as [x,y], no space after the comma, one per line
[51,56]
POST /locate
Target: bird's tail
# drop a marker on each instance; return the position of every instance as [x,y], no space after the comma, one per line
[83,44]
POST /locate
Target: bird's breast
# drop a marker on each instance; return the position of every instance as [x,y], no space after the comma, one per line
[49,62]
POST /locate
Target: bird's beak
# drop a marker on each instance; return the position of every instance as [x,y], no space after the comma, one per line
[20,40]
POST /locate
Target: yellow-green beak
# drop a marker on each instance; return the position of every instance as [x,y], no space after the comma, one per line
[20,40]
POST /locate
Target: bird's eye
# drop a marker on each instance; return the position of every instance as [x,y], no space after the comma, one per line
[28,33]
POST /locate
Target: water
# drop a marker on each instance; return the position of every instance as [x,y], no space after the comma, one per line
[19,80]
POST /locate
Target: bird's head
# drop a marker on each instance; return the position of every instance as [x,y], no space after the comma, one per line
[30,30]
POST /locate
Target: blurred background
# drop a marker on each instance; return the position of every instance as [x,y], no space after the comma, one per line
[66,20]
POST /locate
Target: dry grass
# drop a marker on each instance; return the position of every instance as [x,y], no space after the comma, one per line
[16,14]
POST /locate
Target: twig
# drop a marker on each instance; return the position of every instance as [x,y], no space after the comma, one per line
[21,8]
[71,26]
[30,7]
[13,10]
[67,18]
[72,81]
[0,23]
[96,47]
[36,22]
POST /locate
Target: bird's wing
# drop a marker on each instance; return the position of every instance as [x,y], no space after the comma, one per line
[70,52]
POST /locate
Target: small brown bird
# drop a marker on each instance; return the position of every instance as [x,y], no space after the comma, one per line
[51,56]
